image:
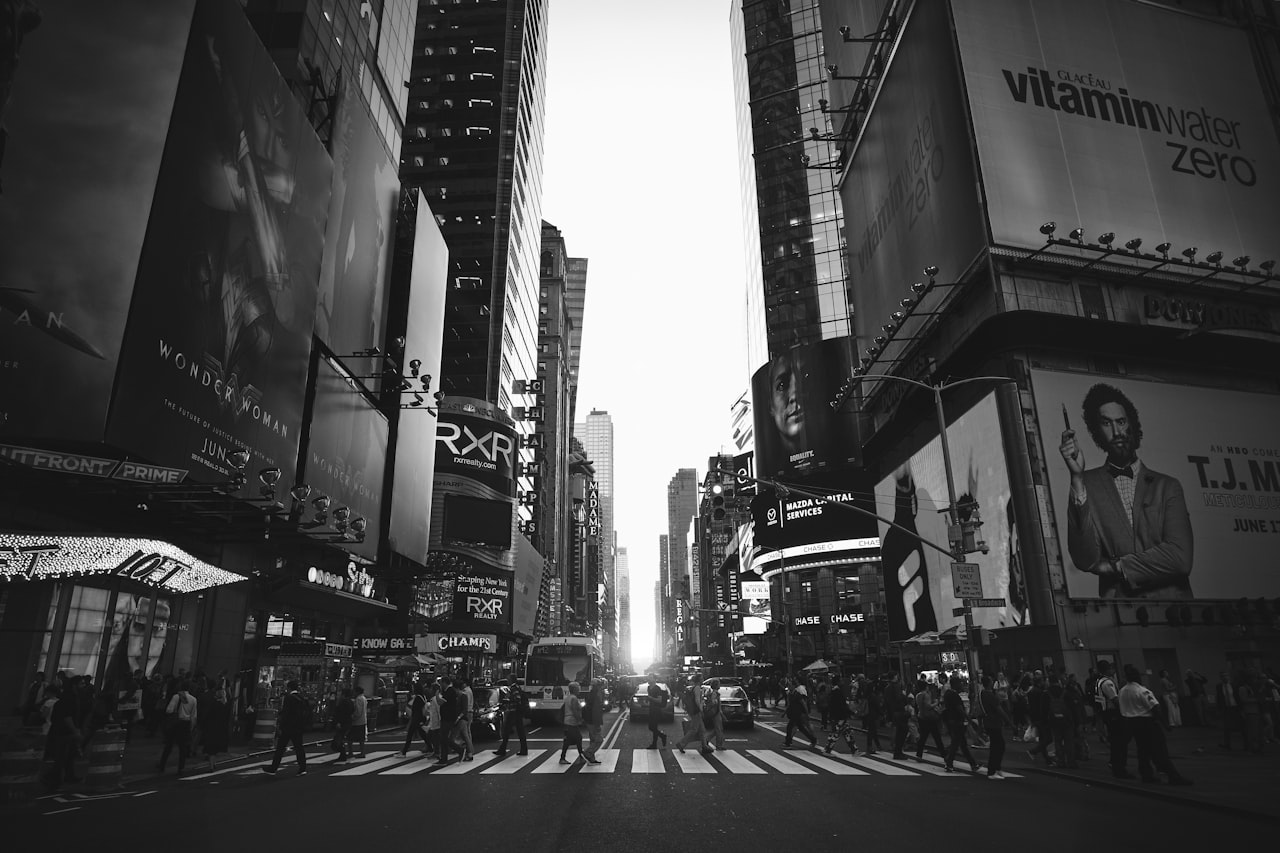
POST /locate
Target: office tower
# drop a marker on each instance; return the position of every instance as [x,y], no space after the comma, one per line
[682,506]
[623,595]
[576,294]
[664,626]
[473,144]
[797,282]
[659,635]
[596,435]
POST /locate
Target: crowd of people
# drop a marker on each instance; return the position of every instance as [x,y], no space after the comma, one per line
[187,711]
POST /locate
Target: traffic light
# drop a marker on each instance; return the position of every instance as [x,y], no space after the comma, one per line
[717,502]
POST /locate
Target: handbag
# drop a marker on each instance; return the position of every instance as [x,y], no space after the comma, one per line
[1030,734]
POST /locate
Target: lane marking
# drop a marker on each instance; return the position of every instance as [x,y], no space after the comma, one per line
[736,762]
[692,762]
[876,766]
[236,769]
[460,767]
[64,811]
[512,763]
[779,762]
[422,762]
[374,762]
[920,766]
[822,762]
[647,761]
[553,765]
[608,759]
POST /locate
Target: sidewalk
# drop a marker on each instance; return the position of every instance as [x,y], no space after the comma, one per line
[1229,781]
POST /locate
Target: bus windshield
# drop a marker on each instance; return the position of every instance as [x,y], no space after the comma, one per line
[558,670]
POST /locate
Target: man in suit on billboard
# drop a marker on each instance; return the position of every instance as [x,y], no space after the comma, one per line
[1126,523]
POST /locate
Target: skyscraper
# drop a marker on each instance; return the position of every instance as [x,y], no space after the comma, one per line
[473,144]
[596,435]
[789,191]
[623,595]
[682,506]
[576,294]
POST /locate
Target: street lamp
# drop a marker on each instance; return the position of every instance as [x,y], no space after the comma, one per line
[963,521]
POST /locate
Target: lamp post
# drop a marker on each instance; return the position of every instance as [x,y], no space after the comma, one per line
[961,531]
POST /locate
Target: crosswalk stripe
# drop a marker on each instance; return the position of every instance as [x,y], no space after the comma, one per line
[780,762]
[424,762]
[460,767]
[839,768]
[312,761]
[374,762]
[553,765]
[608,759]
[239,768]
[512,763]
[938,762]
[920,766]
[692,762]
[877,766]
[736,762]
[647,761]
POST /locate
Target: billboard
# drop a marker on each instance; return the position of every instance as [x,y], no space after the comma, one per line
[909,195]
[1119,117]
[347,452]
[1198,516]
[351,312]
[78,166]
[796,431]
[804,529]
[917,580]
[415,455]
[218,344]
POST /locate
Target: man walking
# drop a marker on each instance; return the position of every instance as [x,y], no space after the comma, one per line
[1138,705]
[593,716]
[359,721]
[994,718]
[929,720]
[953,714]
[342,712]
[417,716]
[1060,717]
[1228,708]
[513,706]
[839,712]
[692,703]
[798,717]
[1117,731]
[291,723]
[658,700]
[895,703]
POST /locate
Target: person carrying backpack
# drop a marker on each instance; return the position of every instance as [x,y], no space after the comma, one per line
[291,724]
[798,717]
[417,718]
[712,718]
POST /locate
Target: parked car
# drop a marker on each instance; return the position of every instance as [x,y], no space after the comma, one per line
[486,722]
[639,704]
[736,706]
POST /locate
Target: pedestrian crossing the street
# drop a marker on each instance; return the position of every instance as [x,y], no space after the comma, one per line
[541,761]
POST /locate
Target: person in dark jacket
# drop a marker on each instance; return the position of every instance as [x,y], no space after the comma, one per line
[343,711]
[839,715]
[593,718]
[417,717]
[956,720]
[895,703]
[63,739]
[291,723]
[450,710]
[514,706]
[215,725]
[798,716]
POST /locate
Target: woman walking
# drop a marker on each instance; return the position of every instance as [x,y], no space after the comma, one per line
[593,717]
[417,716]
[572,723]
[870,715]
[215,726]
[182,720]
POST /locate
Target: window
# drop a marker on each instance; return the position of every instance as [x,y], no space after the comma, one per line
[481,75]
[479,131]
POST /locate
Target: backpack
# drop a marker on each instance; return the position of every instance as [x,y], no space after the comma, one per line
[1099,697]
[1057,705]
[710,702]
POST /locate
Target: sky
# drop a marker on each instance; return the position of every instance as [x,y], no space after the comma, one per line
[641,178]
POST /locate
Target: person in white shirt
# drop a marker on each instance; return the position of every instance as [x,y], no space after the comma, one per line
[1138,706]
[182,721]
[359,722]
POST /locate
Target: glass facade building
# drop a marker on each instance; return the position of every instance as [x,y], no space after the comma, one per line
[789,191]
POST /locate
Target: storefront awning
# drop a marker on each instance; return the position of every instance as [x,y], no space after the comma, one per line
[323,599]
[153,562]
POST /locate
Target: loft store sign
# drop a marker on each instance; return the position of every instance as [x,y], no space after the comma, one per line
[148,561]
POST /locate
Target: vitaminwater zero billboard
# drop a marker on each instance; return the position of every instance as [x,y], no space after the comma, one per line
[1121,117]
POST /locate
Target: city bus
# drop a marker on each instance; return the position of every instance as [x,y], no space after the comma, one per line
[552,663]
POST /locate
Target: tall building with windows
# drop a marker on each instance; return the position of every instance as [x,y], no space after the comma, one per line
[576,294]
[682,507]
[474,145]
[596,435]
[623,595]
[797,286]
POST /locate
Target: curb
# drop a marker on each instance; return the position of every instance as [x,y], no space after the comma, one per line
[1154,793]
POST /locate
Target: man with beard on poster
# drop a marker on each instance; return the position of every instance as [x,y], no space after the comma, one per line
[1126,523]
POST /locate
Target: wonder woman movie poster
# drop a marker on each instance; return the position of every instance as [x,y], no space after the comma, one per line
[217,348]
[86,92]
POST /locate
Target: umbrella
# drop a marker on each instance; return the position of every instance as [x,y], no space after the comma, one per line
[816,666]
[928,638]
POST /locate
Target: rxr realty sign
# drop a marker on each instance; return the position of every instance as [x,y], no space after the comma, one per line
[482,596]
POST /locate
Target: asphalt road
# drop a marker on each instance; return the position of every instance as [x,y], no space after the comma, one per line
[755,796]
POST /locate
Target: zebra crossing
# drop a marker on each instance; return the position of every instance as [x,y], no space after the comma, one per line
[541,761]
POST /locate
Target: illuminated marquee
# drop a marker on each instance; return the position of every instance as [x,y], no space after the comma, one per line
[148,561]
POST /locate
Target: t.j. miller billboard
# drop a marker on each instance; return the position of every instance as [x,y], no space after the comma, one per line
[1178,487]
[1119,116]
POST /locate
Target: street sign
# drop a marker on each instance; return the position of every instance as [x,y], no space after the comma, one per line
[966,580]
[961,611]
[985,602]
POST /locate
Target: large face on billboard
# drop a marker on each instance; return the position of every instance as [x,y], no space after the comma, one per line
[796,431]
[216,354]
[918,589]
[347,452]
[909,198]
[1162,491]
[78,164]
[1119,117]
